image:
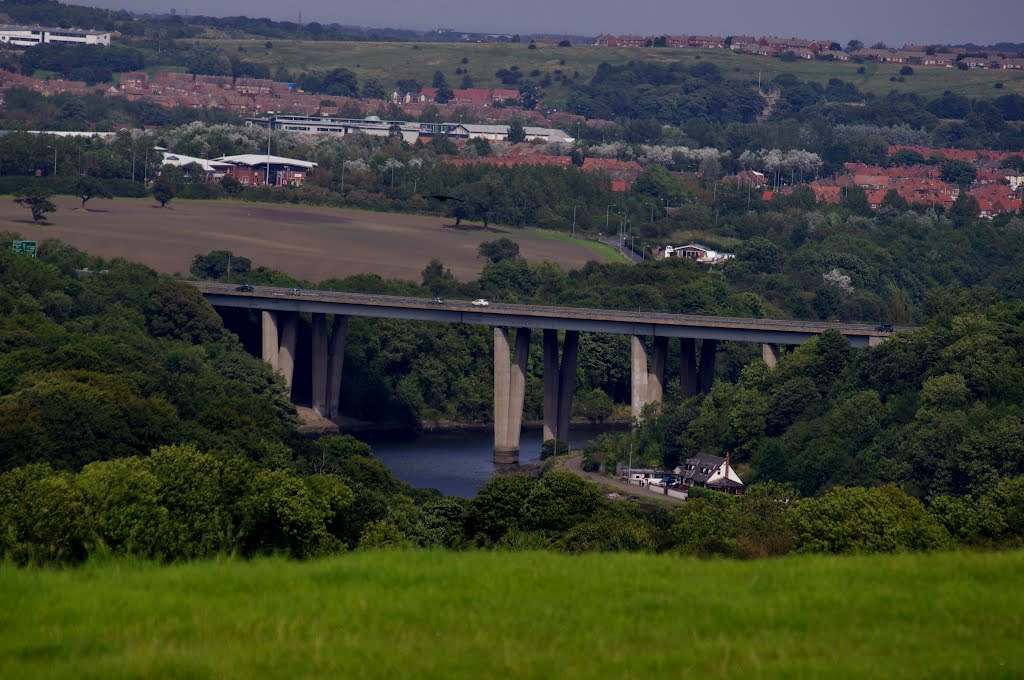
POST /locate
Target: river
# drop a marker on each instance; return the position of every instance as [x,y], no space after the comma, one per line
[459,463]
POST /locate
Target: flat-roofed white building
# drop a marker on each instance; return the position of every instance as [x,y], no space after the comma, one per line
[29,36]
[213,169]
[371,125]
[499,133]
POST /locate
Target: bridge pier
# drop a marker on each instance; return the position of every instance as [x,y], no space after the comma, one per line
[639,374]
[567,383]
[656,374]
[335,363]
[509,393]
[286,354]
[770,354]
[271,344]
[687,368]
[647,374]
[551,383]
[706,374]
[318,378]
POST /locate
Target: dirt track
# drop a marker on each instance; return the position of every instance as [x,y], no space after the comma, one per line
[307,242]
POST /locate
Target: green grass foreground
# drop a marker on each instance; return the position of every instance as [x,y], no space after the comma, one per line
[520,615]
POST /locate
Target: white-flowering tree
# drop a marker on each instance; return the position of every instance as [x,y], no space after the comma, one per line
[838,280]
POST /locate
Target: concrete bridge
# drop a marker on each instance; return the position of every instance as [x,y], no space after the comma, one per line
[280,308]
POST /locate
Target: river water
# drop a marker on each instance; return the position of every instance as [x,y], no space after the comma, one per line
[459,463]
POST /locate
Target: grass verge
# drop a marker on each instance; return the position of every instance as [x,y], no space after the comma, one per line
[525,615]
[605,251]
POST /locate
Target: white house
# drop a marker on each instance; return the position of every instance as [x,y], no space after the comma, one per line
[698,253]
[29,36]
[711,472]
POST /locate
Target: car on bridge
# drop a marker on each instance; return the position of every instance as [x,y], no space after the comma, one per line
[244,288]
[480,302]
[438,301]
[884,328]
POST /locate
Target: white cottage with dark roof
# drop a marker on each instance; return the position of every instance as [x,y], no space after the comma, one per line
[711,472]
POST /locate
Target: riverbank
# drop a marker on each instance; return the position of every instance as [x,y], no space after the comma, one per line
[313,424]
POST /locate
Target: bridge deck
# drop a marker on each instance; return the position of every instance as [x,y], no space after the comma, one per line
[535,316]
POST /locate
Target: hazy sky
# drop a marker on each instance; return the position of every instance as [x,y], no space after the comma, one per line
[892,21]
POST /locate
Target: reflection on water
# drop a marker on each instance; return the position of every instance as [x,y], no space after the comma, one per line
[459,463]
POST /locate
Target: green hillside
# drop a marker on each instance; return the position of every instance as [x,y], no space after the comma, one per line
[519,615]
[393,61]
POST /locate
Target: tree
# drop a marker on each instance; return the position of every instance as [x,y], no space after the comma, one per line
[958,172]
[529,94]
[500,249]
[965,210]
[372,89]
[439,80]
[516,131]
[164,189]
[218,263]
[854,45]
[907,71]
[89,187]
[498,506]
[178,310]
[36,200]
[444,95]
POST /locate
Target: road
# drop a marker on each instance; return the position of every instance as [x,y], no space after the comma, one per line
[575,466]
[626,252]
[536,316]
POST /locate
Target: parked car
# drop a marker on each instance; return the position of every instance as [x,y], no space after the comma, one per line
[438,301]
[244,288]
[480,302]
[885,328]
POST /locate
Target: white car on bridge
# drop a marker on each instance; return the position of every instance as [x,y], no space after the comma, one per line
[480,302]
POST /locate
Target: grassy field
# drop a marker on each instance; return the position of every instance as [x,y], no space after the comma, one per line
[389,62]
[310,243]
[520,615]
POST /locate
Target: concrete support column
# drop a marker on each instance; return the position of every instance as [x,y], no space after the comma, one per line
[270,341]
[708,348]
[517,390]
[286,355]
[318,379]
[639,374]
[875,340]
[567,383]
[770,354]
[687,368]
[656,373]
[335,362]
[502,376]
[550,384]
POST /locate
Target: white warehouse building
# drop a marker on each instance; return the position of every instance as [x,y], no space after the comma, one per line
[29,36]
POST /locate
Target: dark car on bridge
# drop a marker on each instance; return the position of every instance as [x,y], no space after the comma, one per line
[244,288]
[884,327]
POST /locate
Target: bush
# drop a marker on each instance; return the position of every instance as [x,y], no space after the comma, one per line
[609,535]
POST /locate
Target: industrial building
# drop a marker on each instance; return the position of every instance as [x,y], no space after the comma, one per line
[411,131]
[29,36]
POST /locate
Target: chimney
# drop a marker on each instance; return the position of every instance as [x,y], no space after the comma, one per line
[726,465]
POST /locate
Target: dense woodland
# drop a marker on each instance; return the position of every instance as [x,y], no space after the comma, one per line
[914,445]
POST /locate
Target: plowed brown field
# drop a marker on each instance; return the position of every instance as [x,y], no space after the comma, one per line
[306,242]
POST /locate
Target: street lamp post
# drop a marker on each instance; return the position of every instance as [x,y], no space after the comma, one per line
[574,220]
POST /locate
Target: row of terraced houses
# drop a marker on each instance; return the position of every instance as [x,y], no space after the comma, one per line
[997,189]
